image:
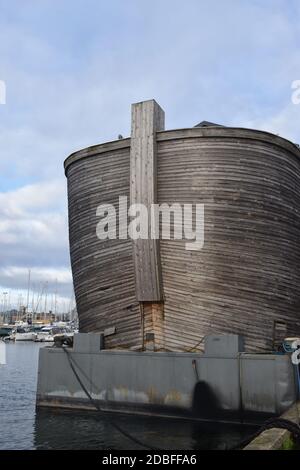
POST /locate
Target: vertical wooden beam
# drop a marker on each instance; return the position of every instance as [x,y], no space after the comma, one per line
[153,322]
[147,118]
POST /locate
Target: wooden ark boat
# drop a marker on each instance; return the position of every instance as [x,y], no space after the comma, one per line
[156,293]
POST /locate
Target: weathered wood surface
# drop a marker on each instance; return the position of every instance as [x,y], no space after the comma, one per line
[147,118]
[102,269]
[153,322]
[96,150]
[247,275]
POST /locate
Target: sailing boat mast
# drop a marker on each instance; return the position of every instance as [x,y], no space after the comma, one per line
[28,290]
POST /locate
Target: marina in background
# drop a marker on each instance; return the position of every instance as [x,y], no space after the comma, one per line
[34,321]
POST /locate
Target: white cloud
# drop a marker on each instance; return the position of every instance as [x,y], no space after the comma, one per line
[70,84]
[33,234]
[32,198]
[284,122]
[38,275]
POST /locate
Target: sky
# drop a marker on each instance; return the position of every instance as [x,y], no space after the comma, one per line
[72,70]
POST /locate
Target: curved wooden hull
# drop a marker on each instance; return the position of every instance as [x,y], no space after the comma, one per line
[246,278]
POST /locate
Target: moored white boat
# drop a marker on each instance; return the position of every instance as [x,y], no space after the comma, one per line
[47,333]
[22,334]
[25,336]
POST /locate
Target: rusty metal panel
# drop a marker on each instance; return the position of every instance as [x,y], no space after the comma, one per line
[166,382]
[267,383]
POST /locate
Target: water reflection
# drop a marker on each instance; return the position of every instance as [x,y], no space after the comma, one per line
[87,430]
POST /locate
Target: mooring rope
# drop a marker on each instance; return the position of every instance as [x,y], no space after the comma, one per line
[105,412]
[278,423]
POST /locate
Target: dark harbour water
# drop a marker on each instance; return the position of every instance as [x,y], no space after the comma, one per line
[22,428]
